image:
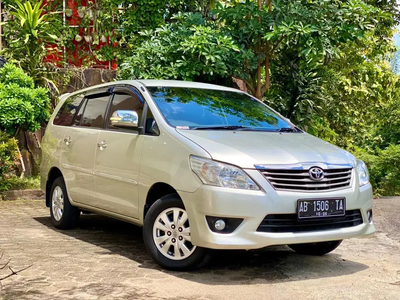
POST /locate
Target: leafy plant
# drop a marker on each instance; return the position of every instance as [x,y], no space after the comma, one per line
[31,34]
[22,106]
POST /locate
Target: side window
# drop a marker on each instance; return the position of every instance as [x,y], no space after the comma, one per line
[67,111]
[95,109]
[122,101]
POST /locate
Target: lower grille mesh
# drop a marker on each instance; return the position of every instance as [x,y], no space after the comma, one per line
[290,223]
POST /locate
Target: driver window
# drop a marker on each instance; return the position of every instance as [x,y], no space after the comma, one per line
[124,101]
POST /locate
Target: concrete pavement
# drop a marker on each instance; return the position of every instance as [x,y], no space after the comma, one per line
[106,259]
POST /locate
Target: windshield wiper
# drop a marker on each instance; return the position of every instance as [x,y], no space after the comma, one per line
[246,128]
[226,127]
[288,129]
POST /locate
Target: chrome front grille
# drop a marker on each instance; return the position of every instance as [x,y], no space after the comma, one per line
[300,180]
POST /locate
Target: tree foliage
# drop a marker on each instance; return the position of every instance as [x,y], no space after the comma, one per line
[312,30]
[190,49]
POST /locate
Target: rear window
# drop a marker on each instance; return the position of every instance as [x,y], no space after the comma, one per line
[67,111]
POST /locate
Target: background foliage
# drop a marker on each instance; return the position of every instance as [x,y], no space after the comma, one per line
[191,48]
[326,65]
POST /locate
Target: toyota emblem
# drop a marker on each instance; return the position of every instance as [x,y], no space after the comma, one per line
[316,174]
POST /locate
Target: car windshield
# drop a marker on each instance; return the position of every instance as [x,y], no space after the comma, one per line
[203,109]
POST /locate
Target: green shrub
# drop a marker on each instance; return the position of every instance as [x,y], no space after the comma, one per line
[16,183]
[384,169]
[8,158]
[22,106]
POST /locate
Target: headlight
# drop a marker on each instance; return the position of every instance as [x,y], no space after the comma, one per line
[219,174]
[363,176]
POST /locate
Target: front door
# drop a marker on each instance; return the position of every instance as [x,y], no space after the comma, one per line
[117,159]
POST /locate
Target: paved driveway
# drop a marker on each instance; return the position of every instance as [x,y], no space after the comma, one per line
[105,259]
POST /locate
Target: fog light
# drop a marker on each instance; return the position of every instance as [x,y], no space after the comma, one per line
[223,225]
[369,215]
[219,225]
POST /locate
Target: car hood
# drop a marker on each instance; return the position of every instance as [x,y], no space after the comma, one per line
[249,148]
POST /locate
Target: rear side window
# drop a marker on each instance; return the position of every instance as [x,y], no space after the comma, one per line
[95,109]
[78,116]
[67,111]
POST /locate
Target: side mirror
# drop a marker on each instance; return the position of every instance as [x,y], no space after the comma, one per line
[125,119]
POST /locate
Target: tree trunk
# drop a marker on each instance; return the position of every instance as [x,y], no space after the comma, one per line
[258,90]
[267,74]
[30,147]
[267,56]
[258,94]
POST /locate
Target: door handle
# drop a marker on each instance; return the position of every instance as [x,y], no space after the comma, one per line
[102,145]
[67,140]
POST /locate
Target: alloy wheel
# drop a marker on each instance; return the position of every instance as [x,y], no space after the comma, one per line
[171,234]
[57,204]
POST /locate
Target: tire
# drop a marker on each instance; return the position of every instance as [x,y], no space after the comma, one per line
[174,233]
[63,214]
[315,248]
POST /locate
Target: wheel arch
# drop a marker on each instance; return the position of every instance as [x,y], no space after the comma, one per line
[54,173]
[156,191]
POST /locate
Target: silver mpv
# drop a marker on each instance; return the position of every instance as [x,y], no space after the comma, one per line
[200,167]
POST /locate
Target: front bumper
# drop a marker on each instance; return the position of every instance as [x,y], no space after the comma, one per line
[254,206]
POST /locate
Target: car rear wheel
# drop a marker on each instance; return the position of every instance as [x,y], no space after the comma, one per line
[167,237]
[320,248]
[63,214]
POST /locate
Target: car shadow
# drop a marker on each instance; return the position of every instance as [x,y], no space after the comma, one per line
[270,264]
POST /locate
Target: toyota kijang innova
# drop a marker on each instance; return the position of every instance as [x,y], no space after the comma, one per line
[200,167]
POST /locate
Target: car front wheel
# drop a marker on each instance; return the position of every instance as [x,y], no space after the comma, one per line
[320,248]
[167,236]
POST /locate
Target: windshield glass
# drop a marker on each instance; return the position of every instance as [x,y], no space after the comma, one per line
[192,108]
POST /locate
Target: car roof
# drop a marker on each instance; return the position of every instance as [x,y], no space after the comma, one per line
[161,83]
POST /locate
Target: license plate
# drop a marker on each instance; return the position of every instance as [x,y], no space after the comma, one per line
[321,208]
